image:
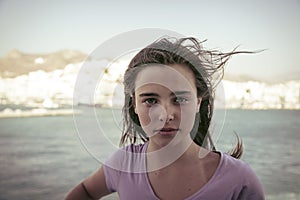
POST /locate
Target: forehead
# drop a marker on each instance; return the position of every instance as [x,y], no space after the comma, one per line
[173,77]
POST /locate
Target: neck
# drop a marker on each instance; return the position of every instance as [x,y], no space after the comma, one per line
[185,151]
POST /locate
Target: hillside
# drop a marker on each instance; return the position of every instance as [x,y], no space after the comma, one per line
[17,63]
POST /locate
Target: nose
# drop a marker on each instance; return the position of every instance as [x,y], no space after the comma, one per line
[167,114]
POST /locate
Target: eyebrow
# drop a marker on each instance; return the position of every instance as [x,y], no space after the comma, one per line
[148,95]
[172,94]
[180,93]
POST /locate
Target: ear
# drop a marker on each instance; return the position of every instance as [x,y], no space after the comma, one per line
[199,99]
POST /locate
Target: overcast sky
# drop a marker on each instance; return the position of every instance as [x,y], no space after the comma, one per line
[40,26]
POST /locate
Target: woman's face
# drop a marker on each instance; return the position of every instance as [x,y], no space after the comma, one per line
[166,102]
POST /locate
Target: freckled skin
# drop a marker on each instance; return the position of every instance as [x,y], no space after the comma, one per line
[156,111]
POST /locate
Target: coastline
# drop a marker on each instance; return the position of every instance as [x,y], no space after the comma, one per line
[37,112]
[21,112]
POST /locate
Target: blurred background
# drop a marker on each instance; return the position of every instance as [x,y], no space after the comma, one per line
[44,45]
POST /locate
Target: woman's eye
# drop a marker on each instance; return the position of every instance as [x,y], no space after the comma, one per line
[181,100]
[150,101]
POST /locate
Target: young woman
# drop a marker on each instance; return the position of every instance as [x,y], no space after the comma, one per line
[168,152]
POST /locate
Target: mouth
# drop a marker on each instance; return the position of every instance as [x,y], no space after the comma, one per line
[167,131]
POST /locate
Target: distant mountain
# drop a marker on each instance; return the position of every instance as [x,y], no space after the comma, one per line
[239,78]
[288,76]
[291,75]
[16,63]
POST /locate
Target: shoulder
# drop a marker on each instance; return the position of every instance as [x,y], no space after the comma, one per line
[120,168]
[229,161]
[236,166]
[127,159]
[242,176]
[127,151]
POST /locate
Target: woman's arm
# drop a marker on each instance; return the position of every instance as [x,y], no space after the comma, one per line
[93,187]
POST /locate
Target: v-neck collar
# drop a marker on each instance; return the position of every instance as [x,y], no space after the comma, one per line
[202,189]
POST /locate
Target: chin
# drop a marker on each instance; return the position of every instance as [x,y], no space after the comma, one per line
[164,140]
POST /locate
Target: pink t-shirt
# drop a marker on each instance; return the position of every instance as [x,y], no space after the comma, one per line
[233,179]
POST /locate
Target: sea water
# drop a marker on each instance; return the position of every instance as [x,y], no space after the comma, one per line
[44,157]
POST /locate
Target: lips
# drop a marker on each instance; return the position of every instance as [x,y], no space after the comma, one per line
[167,131]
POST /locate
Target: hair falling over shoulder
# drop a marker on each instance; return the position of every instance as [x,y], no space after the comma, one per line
[208,68]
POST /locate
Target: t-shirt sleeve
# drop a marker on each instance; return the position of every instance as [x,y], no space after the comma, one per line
[252,189]
[111,178]
[114,166]
[111,172]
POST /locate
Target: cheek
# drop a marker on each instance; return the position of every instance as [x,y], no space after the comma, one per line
[149,118]
[144,114]
[187,118]
[144,117]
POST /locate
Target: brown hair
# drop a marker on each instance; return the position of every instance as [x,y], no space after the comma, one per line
[204,63]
